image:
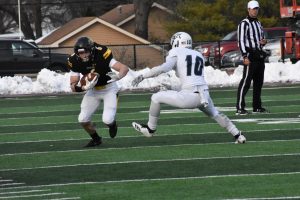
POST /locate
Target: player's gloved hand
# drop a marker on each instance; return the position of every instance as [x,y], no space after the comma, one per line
[135,82]
[90,84]
[114,77]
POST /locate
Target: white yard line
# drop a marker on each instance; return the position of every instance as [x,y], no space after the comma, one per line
[24,191]
[133,136]
[267,198]
[159,179]
[11,184]
[141,147]
[68,198]
[33,195]
[150,161]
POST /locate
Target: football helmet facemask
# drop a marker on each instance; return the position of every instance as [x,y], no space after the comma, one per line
[84,45]
[181,39]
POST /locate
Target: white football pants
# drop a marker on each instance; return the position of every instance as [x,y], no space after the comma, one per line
[189,99]
[92,99]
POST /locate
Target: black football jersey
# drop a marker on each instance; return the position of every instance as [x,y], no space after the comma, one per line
[98,62]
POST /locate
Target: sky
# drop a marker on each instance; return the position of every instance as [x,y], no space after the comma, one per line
[49,82]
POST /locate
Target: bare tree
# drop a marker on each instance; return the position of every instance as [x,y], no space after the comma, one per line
[92,8]
[11,9]
[142,10]
[37,14]
[7,24]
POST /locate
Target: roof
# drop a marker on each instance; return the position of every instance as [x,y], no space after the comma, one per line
[118,13]
[69,27]
[78,24]
[125,12]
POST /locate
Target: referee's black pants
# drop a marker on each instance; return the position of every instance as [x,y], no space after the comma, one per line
[255,71]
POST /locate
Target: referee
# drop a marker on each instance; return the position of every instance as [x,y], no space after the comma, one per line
[251,40]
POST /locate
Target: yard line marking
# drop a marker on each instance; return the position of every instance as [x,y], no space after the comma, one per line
[25,191]
[263,198]
[8,180]
[160,179]
[141,147]
[150,161]
[67,110]
[269,120]
[133,136]
[162,111]
[68,198]
[33,195]
[9,184]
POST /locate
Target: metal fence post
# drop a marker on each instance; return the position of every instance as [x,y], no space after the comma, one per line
[134,56]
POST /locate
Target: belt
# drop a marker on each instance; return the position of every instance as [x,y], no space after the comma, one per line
[100,87]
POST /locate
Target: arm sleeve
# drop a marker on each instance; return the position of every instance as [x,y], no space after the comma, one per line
[242,30]
[165,67]
[112,62]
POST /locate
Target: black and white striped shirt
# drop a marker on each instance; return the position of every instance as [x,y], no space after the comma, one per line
[250,32]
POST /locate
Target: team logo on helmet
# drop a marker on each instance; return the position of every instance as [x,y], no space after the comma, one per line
[181,39]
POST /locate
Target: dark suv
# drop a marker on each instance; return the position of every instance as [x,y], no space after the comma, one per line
[229,43]
[21,57]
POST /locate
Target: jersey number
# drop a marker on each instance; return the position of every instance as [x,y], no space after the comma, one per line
[198,67]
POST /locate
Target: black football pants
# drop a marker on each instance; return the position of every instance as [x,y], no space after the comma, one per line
[255,71]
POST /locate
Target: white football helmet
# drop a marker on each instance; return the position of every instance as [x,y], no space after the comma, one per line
[181,39]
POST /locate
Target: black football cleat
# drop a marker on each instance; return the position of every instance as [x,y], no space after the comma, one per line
[113,129]
[260,110]
[93,143]
[241,112]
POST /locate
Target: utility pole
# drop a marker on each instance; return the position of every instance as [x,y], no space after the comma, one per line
[19,11]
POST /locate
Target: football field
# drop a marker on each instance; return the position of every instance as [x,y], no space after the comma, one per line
[190,157]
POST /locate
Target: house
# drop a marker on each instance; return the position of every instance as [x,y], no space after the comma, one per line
[123,16]
[127,47]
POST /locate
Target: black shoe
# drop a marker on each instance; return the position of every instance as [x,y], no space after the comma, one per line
[93,143]
[113,129]
[260,110]
[241,112]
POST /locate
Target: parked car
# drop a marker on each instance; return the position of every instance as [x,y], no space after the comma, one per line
[22,57]
[232,59]
[205,47]
[273,49]
[224,46]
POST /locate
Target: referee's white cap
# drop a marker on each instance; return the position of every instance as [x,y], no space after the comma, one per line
[253,4]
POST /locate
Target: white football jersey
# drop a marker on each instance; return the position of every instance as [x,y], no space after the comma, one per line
[189,66]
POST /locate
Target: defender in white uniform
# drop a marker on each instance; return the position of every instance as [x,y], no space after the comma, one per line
[189,67]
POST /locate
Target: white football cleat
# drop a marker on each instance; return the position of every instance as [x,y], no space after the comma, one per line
[241,139]
[144,129]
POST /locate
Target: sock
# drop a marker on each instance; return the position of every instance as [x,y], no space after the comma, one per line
[95,136]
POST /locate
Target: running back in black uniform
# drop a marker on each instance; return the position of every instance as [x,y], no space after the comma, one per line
[92,57]
[99,62]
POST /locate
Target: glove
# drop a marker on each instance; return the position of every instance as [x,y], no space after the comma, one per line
[90,84]
[137,80]
[114,77]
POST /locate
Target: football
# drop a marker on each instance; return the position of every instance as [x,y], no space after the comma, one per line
[89,76]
